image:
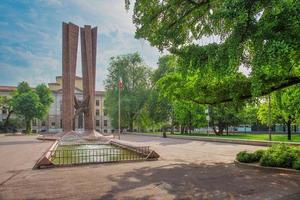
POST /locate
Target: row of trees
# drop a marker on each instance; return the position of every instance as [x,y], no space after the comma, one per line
[27,104]
[146,103]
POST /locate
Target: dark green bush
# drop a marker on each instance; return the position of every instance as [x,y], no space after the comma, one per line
[245,157]
[258,154]
[296,164]
[280,156]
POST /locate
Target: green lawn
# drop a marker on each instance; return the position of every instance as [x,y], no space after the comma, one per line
[247,136]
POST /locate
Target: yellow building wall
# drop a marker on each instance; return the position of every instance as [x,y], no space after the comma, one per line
[58,85]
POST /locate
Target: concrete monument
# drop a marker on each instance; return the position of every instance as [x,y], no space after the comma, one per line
[69,56]
[88,37]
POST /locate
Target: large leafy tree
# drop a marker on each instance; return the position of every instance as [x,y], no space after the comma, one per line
[31,104]
[135,76]
[159,107]
[285,106]
[262,36]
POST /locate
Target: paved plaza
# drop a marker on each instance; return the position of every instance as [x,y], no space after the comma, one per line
[186,170]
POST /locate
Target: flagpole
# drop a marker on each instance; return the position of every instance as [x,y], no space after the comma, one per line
[119,110]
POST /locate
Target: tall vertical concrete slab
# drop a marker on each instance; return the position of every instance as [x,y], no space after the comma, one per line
[88,57]
[70,34]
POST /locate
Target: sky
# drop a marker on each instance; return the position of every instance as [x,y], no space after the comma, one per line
[31,45]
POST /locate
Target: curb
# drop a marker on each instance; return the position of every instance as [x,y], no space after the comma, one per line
[221,140]
[267,169]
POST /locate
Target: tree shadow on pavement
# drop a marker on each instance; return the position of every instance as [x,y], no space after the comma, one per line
[193,181]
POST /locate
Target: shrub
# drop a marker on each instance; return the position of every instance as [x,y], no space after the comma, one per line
[245,157]
[258,154]
[280,156]
[296,164]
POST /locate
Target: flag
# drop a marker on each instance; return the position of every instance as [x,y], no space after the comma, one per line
[120,84]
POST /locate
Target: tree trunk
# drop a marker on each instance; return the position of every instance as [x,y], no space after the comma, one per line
[164,132]
[28,127]
[227,129]
[172,129]
[7,119]
[131,126]
[289,130]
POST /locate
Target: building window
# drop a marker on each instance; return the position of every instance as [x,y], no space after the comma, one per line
[4,111]
[43,123]
[105,131]
[52,123]
[34,122]
[104,112]
[97,122]
[97,112]
[97,102]
[105,122]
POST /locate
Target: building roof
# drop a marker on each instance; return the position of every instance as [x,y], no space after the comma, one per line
[4,88]
[77,77]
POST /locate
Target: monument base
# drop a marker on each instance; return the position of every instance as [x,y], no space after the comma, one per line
[95,135]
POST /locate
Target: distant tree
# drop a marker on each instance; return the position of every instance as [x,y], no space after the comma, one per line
[224,115]
[248,114]
[285,106]
[135,76]
[31,104]
[5,104]
[45,97]
[188,115]
[158,106]
[159,110]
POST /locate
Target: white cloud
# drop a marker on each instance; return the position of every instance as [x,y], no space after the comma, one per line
[110,16]
[39,39]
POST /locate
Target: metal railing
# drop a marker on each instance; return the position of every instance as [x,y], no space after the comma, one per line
[102,155]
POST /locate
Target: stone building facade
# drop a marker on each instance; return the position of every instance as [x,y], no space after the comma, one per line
[53,122]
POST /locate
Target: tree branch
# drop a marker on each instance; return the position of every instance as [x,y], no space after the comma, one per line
[284,84]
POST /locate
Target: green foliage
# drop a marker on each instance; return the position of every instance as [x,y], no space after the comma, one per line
[136,86]
[285,106]
[280,156]
[248,114]
[6,104]
[31,104]
[262,36]
[296,164]
[258,154]
[189,115]
[224,115]
[246,157]
[159,107]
